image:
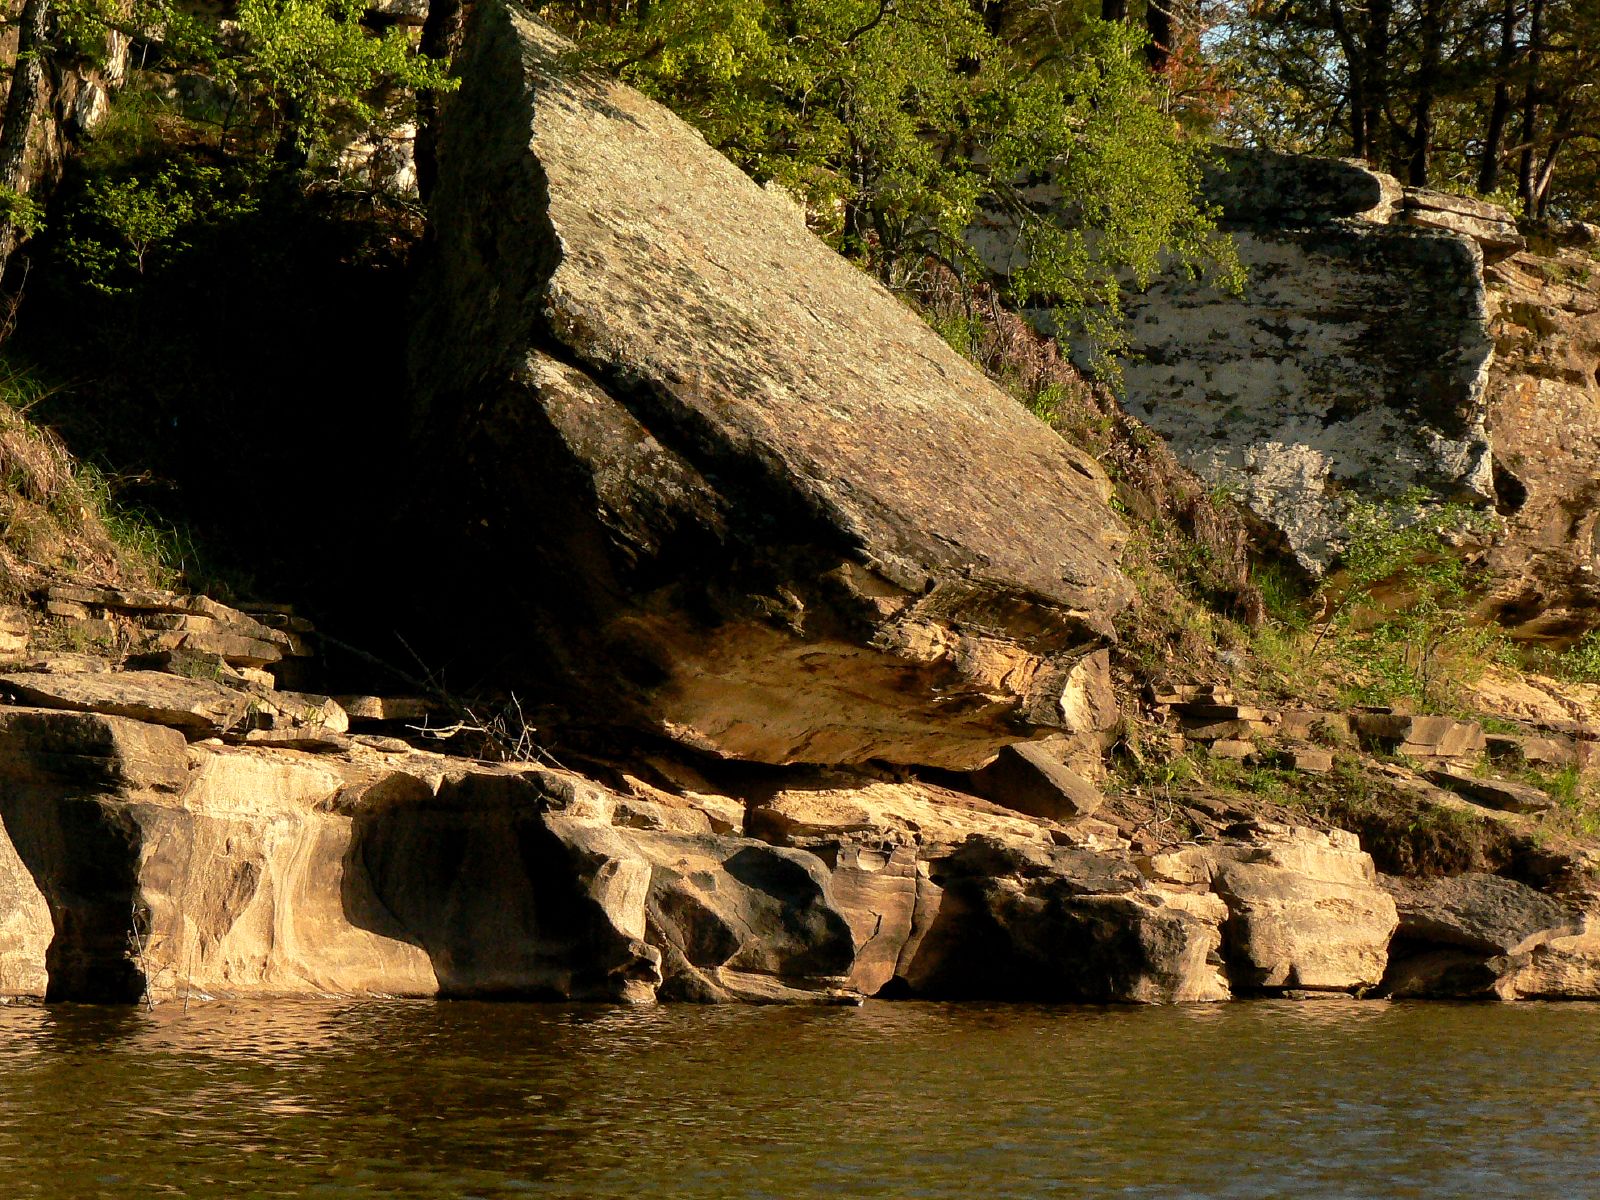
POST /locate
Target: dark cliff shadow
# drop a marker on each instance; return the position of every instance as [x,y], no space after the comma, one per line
[83,855]
[490,893]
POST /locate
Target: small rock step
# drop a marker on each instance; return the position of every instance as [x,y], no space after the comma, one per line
[1500,794]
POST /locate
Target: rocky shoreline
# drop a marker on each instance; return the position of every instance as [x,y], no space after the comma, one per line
[177,828]
[841,611]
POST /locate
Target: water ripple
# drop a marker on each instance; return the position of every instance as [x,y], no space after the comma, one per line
[1328,1099]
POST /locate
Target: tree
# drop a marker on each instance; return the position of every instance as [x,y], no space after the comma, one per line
[896,121]
[296,67]
[1446,92]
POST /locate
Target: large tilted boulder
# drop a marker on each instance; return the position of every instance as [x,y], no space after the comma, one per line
[708,477]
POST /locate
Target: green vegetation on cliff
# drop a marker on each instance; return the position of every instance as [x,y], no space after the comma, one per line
[899,124]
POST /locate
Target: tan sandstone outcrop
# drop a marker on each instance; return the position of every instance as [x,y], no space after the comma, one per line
[731,488]
[1305,911]
[136,863]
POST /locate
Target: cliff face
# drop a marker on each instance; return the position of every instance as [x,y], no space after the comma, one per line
[1543,419]
[710,475]
[722,488]
[1388,338]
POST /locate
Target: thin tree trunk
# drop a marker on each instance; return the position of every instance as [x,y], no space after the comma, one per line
[1356,70]
[1530,106]
[1494,134]
[22,106]
[1113,10]
[1427,80]
[1540,197]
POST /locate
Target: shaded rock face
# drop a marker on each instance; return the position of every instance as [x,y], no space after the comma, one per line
[708,474]
[1544,421]
[1474,936]
[1027,923]
[1354,362]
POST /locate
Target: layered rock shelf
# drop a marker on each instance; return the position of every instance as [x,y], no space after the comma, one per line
[194,832]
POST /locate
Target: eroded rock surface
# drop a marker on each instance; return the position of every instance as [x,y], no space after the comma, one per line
[1354,362]
[1305,912]
[738,491]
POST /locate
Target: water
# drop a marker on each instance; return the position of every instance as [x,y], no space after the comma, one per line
[914,1100]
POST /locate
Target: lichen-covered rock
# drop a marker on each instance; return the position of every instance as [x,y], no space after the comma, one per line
[709,474]
[1353,363]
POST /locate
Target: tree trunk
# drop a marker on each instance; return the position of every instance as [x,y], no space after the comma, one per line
[1375,81]
[1356,70]
[1113,10]
[1160,22]
[1539,198]
[22,106]
[1494,134]
[1530,107]
[1432,35]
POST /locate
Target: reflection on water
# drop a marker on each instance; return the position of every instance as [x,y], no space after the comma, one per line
[452,1100]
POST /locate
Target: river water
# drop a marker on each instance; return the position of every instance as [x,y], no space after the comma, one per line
[1268,1099]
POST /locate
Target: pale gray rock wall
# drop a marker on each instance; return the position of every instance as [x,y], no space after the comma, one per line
[1355,362]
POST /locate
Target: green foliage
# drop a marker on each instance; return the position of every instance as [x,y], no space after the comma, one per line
[162,548]
[119,226]
[306,61]
[21,212]
[899,123]
[1579,662]
[1283,594]
[1400,603]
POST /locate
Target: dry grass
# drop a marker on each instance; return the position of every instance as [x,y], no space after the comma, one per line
[53,512]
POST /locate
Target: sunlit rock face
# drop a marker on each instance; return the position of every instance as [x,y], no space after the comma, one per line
[1354,362]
